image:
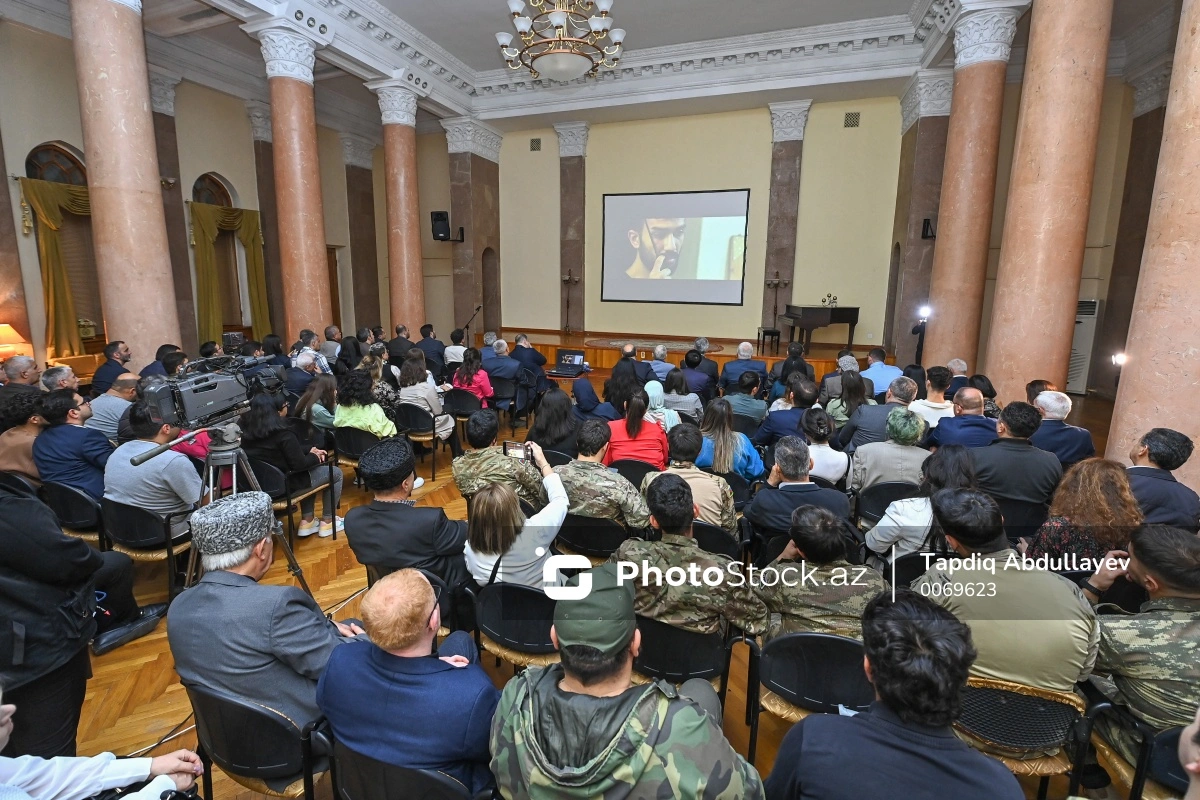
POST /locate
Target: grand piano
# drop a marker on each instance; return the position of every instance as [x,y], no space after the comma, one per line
[809,318]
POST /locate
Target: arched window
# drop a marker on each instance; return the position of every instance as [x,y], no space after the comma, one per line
[211,188]
[55,162]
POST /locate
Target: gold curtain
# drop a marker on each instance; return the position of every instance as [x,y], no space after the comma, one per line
[49,201]
[207,221]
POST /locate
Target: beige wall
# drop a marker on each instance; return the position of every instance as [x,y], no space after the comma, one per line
[337,220]
[847,212]
[530,285]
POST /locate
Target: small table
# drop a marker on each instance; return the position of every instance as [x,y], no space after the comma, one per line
[768,333]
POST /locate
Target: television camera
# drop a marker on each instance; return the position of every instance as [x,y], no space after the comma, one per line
[211,390]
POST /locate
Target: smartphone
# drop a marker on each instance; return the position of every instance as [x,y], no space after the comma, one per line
[516,450]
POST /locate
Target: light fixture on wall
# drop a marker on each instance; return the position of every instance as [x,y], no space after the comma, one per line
[11,341]
[563,40]
[776,283]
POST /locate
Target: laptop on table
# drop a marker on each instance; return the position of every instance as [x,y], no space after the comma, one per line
[568,363]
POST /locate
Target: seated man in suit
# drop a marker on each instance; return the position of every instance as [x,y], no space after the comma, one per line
[594,490]
[831,383]
[705,364]
[1011,468]
[958,376]
[629,366]
[430,345]
[869,423]
[398,348]
[743,397]
[1069,442]
[486,463]
[745,362]
[66,451]
[786,421]
[660,365]
[968,427]
[505,367]
[698,381]
[447,702]
[268,644]
[1164,500]
[534,361]
[392,533]
[488,352]
[788,488]
[298,376]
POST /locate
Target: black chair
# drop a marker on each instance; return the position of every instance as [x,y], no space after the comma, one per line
[436,368]
[907,568]
[1021,518]
[350,444]
[144,535]
[359,777]
[78,513]
[716,540]
[505,389]
[256,746]
[556,459]
[746,425]
[526,507]
[824,483]
[17,484]
[872,502]
[595,537]
[676,655]
[1157,757]
[462,404]
[310,435]
[633,470]
[418,425]
[743,490]
[805,673]
[685,417]
[512,622]
[284,500]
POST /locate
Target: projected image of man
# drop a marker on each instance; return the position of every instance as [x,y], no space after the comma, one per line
[656,244]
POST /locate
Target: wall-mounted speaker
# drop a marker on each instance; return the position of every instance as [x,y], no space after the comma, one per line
[441,227]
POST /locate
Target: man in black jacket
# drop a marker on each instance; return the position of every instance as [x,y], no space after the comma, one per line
[788,488]
[869,423]
[49,584]
[1164,500]
[631,367]
[706,365]
[398,348]
[1011,468]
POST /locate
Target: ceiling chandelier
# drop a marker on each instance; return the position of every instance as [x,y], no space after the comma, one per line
[563,40]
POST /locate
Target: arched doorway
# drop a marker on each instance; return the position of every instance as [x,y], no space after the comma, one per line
[491,290]
[214,189]
[894,296]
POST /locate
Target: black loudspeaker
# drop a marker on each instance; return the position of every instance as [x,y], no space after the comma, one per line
[441,225]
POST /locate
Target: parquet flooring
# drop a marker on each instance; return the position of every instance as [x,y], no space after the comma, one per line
[134,697]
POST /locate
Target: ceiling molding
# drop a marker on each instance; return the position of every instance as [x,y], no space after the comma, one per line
[929,94]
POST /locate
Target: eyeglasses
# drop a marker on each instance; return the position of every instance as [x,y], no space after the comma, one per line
[437,601]
[82,404]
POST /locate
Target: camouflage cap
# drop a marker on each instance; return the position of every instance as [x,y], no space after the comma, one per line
[603,619]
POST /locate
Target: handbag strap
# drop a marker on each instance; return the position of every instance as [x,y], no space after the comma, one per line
[495,569]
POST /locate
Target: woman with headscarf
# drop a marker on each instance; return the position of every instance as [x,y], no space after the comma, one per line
[657,411]
[587,402]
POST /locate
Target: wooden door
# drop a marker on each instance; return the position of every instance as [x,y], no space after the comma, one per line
[334,295]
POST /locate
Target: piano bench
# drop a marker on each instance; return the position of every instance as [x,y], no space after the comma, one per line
[763,335]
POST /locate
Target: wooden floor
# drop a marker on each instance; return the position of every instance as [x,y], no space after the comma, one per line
[135,698]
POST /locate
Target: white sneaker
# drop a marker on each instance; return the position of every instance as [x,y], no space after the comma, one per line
[418,483]
[308,529]
[327,527]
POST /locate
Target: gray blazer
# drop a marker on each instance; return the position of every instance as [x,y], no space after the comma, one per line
[867,424]
[268,644]
[832,387]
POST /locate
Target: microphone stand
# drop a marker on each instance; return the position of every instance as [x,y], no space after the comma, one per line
[467,327]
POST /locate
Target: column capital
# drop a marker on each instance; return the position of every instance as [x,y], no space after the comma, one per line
[397,101]
[287,53]
[162,90]
[572,138]
[357,151]
[928,95]
[788,120]
[469,135]
[985,34]
[260,120]
[136,5]
[1151,89]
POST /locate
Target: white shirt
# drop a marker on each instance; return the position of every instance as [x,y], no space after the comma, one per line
[522,564]
[932,412]
[905,524]
[828,463]
[454,354]
[77,778]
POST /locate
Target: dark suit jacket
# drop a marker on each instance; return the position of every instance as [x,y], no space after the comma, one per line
[432,348]
[74,455]
[867,424]
[779,424]
[771,510]
[108,372]
[296,380]
[398,348]
[508,368]
[700,382]
[968,430]
[1013,469]
[956,383]
[734,369]
[640,370]
[831,387]
[707,366]
[1068,442]
[534,362]
[1164,500]
[395,536]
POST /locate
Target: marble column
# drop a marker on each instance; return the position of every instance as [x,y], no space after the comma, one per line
[982,43]
[162,100]
[304,267]
[259,114]
[129,229]
[406,274]
[359,156]
[924,109]
[1159,378]
[1045,226]
[788,121]
[572,176]
[13,310]
[475,206]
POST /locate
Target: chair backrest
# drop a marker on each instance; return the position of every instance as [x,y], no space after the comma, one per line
[745,424]
[75,509]
[17,483]
[503,388]
[592,536]
[353,442]
[908,568]
[816,671]
[633,470]
[445,598]
[874,500]
[270,478]
[824,483]
[1015,717]
[133,527]
[515,616]
[461,403]
[414,419]
[1164,761]
[737,484]
[556,459]
[685,417]
[360,777]
[676,655]
[436,367]
[1022,518]
[245,738]
[716,540]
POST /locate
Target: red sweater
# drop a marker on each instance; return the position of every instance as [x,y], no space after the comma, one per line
[649,446]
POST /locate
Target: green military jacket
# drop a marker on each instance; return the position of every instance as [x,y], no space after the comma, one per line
[596,491]
[821,598]
[477,468]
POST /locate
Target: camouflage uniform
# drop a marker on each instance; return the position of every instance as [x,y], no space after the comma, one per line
[596,491]
[702,608]
[663,746]
[827,598]
[711,494]
[1153,657]
[477,468]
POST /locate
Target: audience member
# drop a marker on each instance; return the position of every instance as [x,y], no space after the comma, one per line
[1036,387]
[66,451]
[635,436]
[357,408]
[21,422]
[309,342]
[173,363]
[487,351]
[1093,511]
[555,427]
[505,367]
[879,372]
[660,365]
[705,364]
[916,373]
[155,367]
[906,524]
[800,397]
[414,390]
[471,377]
[991,409]
[745,362]
[958,376]
[331,347]
[166,484]
[743,397]
[273,349]
[486,463]
[383,391]
[229,633]
[568,729]
[657,411]
[1164,500]
[696,607]
[363,686]
[595,491]
[832,465]
[588,405]
[789,488]
[117,355]
[855,393]
[778,377]
[897,459]
[398,348]
[699,381]
[1069,442]
[711,493]
[968,427]
[918,657]
[267,437]
[351,350]
[679,396]
[1029,626]
[934,406]
[868,423]
[319,403]
[502,543]
[209,350]
[831,382]
[108,408]
[59,378]
[430,345]
[1189,756]
[22,376]
[454,353]
[1011,468]
[832,595]
[725,450]
[630,367]
[532,360]
[300,374]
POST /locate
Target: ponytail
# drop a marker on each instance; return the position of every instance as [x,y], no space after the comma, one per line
[635,411]
[817,425]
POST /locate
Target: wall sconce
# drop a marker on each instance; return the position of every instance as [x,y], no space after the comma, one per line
[10,341]
[776,283]
[1119,359]
[168,183]
[928,230]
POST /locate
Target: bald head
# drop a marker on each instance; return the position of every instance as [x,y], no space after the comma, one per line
[968,402]
[125,386]
[398,613]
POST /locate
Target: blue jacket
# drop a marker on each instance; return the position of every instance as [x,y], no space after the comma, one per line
[746,461]
[508,368]
[699,382]
[420,713]
[734,369]
[108,372]
[779,424]
[968,430]
[1068,442]
[1164,500]
[534,362]
[74,455]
